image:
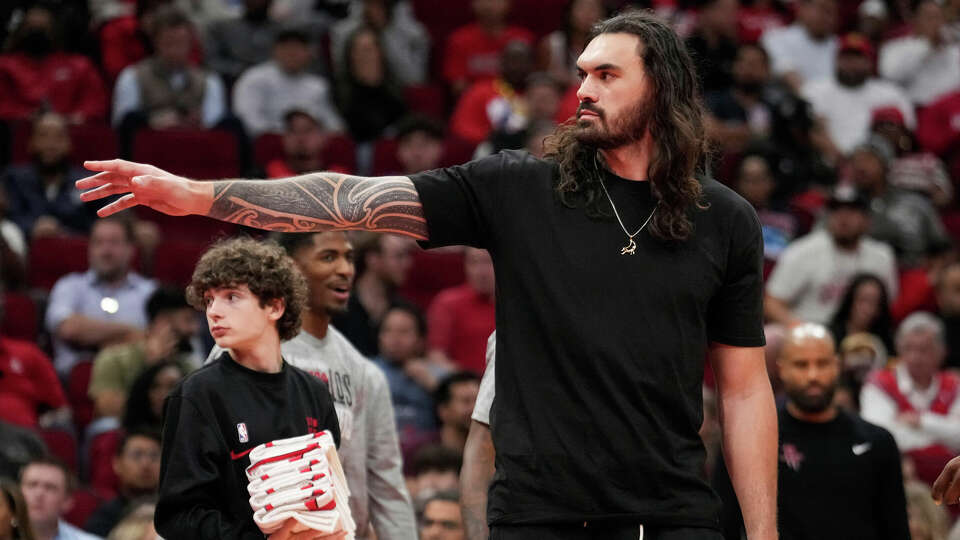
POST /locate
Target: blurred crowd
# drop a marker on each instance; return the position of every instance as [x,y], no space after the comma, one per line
[838,121]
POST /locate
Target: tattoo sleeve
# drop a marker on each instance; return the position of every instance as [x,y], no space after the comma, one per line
[475,476]
[321,202]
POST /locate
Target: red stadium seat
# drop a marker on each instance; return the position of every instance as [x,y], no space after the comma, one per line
[385,157]
[539,16]
[77,384]
[89,141]
[62,444]
[186,228]
[20,317]
[456,151]
[173,261]
[266,148]
[85,503]
[430,100]
[339,153]
[431,273]
[192,153]
[54,256]
[103,479]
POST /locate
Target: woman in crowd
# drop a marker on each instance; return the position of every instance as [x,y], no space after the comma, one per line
[865,308]
[366,93]
[145,404]
[14,519]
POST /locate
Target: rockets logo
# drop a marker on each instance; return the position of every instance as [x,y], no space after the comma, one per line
[242,432]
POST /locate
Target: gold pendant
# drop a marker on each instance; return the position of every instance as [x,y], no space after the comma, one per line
[629,249]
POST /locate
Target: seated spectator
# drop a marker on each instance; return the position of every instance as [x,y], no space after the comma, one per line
[419,144]
[137,524]
[461,318]
[172,329]
[166,91]
[916,400]
[137,465]
[43,199]
[814,271]
[861,354]
[820,480]
[873,20]
[14,516]
[906,221]
[382,264]
[759,16]
[406,43]
[48,487]
[865,307]
[472,52]
[441,518]
[540,101]
[742,111]
[30,392]
[926,64]
[267,91]
[559,50]
[713,44]
[434,468]
[369,97]
[36,75]
[102,306]
[144,407]
[496,103]
[234,45]
[454,398]
[20,445]
[806,50]
[948,308]
[304,139]
[912,169]
[411,377]
[844,102]
[756,184]
[535,135]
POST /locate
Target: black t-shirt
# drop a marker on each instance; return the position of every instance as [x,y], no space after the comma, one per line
[203,483]
[599,355]
[837,479]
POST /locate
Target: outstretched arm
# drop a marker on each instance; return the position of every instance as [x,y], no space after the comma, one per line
[313,202]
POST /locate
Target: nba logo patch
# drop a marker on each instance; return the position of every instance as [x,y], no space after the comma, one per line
[242,432]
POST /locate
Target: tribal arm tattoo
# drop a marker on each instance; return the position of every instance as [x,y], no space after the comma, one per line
[322,202]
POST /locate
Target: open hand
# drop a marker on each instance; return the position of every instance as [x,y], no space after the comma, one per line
[144,185]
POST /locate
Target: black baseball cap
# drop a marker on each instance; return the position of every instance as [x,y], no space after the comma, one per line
[847,196]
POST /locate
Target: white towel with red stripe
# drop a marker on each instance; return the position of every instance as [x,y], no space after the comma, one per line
[300,478]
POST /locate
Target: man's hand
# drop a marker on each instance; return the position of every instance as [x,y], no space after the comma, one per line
[144,185]
[286,533]
[947,486]
[910,418]
[161,342]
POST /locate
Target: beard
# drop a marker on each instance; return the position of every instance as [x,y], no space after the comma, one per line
[851,79]
[629,127]
[811,404]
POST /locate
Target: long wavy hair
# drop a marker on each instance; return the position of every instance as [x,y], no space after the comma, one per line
[675,123]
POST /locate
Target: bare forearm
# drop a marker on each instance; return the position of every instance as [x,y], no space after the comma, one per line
[777,310]
[475,476]
[320,202]
[750,450]
[85,331]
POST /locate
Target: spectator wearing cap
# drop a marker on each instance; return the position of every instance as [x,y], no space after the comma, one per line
[844,101]
[916,400]
[235,44]
[473,52]
[713,44]
[406,43]
[35,74]
[814,271]
[905,220]
[304,140]
[924,63]
[806,50]
[166,90]
[912,169]
[267,91]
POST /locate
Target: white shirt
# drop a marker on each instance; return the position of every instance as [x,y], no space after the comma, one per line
[265,93]
[926,73]
[66,531]
[791,48]
[812,274]
[481,409]
[877,407]
[126,97]
[848,111]
[369,448]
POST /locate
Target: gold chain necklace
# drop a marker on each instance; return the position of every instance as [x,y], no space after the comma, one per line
[631,247]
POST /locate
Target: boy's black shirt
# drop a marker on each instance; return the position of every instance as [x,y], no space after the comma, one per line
[212,420]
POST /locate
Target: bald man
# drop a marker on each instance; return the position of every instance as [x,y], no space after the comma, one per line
[839,475]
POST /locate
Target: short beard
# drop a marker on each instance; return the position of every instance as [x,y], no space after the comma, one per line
[851,80]
[628,128]
[811,405]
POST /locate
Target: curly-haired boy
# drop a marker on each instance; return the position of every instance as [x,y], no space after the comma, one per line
[253,296]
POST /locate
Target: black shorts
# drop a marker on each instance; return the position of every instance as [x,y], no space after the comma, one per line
[600,531]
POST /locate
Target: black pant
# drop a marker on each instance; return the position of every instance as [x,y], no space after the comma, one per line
[600,531]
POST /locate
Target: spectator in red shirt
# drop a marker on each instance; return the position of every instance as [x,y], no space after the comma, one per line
[473,51]
[461,318]
[496,104]
[35,75]
[28,385]
[304,139]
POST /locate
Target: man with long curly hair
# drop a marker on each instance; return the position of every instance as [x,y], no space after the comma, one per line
[618,272]
[253,296]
